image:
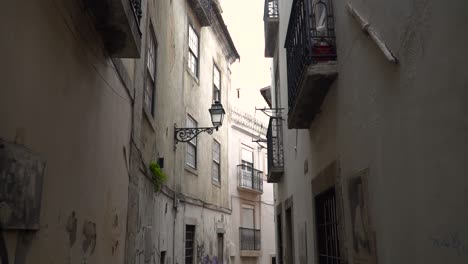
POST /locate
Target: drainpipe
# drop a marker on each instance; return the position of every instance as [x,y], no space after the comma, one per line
[179,178]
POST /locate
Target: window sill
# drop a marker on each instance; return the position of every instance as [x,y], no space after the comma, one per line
[216,183]
[195,78]
[149,118]
[191,170]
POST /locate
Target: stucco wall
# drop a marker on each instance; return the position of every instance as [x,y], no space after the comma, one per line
[404,122]
[196,201]
[262,203]
[62,98]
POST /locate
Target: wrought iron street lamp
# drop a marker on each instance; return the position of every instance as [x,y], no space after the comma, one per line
[185,134]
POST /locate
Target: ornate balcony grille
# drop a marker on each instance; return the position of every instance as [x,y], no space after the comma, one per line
[275,149]
[250,178]
[271,24]
[271,9]
[249,239]
[136,7]
[203,10]
[310,39]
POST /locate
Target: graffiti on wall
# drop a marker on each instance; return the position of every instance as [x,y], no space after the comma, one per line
[450,242]
[203,257]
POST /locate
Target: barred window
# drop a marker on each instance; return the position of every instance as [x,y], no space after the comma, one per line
[189,243]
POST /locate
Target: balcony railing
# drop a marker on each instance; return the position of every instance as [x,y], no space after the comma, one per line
[249,178]
[137,12]
[203,10]
[250,239]
[275,150]
[271,21]
[310,40]
[118,24]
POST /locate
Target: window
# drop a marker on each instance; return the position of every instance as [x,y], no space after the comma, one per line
[247,165]
[216,84]
[220,247]
[327,227]
[248,217]
[216,170]
[189,243]
[250,238]
[273,260]
[191,148]
[193,50]
[150,77]
[162,259]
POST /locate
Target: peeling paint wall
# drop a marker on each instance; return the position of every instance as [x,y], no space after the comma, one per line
[62,98]
[156,221]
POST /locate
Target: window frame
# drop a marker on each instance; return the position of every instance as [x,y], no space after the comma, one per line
[150,76]
[192,53]
[215,162]
[216,89]
[192,143]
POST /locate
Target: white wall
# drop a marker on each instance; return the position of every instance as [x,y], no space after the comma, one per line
[405,123]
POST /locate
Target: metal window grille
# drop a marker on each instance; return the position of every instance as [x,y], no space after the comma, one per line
[189,243]
[275,144]
[248,177]
[249,239]
[310,39]
[327,228]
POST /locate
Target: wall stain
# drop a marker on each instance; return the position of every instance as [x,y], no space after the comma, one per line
[89,232]
[115,246]
[71,228]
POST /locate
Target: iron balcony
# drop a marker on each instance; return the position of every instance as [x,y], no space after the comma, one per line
[203,10]
[250,239]
[311,59]
[118,23]
[275,150]
[271,23]
[249,179]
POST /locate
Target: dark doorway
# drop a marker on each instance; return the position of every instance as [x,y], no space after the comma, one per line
[220,248]
[289,237]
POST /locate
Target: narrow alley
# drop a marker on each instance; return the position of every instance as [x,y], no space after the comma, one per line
[233,132]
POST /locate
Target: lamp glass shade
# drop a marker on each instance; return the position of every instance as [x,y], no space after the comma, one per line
[217,114]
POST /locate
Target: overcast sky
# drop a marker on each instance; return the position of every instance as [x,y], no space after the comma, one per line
[244,19]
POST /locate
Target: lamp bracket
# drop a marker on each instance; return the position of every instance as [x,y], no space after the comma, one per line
[185,134]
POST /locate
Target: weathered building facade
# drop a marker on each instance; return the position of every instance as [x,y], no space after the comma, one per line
[252,225]
[368,142]
[91,96]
